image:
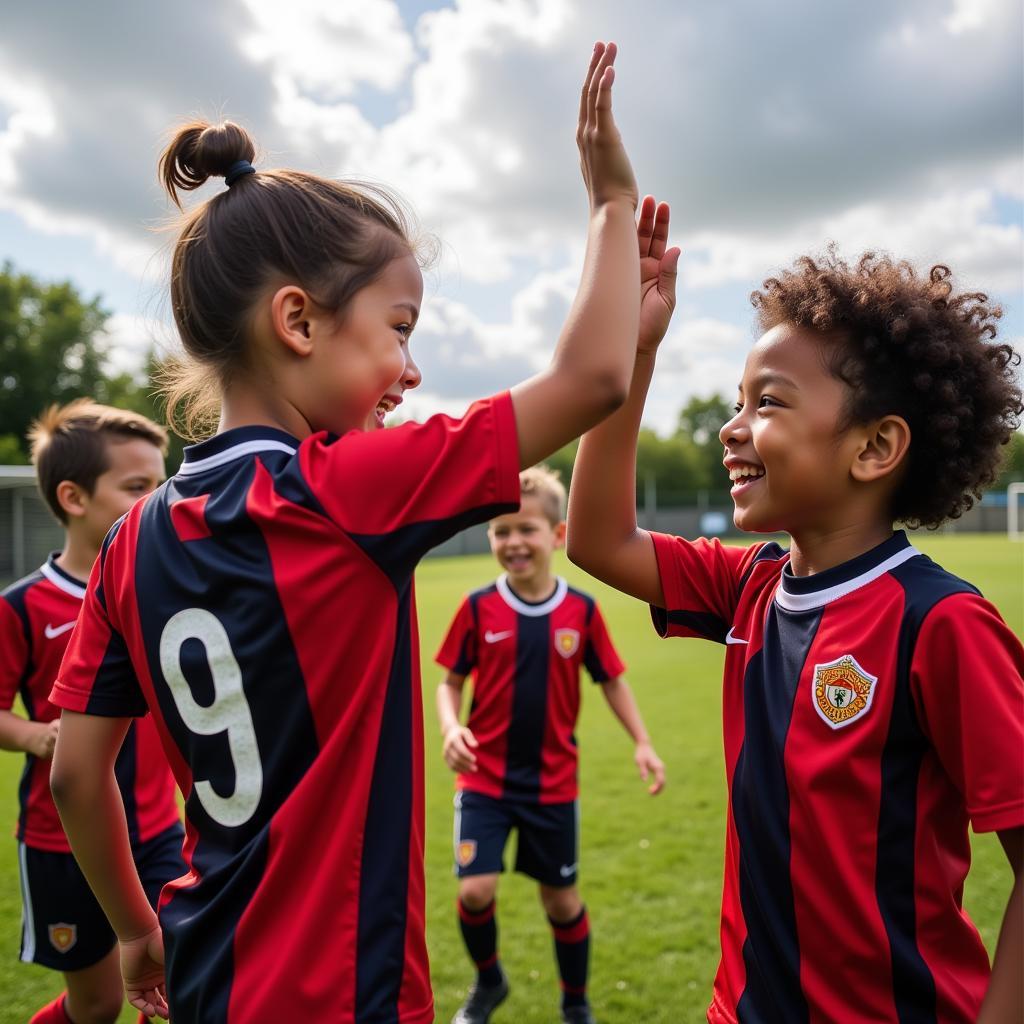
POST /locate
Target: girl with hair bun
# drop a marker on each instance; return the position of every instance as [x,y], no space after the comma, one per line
[260,604]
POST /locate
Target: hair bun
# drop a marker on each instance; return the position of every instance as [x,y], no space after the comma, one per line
[200,151]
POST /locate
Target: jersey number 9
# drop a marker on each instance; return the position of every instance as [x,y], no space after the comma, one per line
[228,713]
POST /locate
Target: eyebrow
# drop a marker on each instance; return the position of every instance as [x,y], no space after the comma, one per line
[769,378]
[413,311]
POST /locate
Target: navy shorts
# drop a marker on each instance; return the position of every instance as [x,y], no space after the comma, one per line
[548,834]
[62,925]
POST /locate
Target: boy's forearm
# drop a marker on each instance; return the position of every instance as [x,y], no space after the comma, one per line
[602,495]
[17,733]
[449,704]
[623,704]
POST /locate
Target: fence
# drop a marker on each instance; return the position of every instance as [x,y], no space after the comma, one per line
[28,531]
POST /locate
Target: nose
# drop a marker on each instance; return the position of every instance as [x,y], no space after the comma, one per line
[734,431]
[412,376]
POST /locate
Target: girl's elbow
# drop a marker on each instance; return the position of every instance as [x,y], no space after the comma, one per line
[62,784]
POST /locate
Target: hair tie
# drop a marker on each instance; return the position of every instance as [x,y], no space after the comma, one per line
[237,170]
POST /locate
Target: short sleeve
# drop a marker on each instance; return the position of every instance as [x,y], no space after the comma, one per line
[96,675]
[14,653]
[458,651]
[401,491]
[701,580]
[967,676]
[600,658]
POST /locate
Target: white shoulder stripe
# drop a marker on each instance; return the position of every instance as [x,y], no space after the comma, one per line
[820,598]
[74,589]
[237,451]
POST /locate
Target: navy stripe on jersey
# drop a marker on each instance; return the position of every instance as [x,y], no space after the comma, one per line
[924,585]
[760,797]
[708,625]
[229,570]
[771,552]
[114,690]
[529,707]
[384,873]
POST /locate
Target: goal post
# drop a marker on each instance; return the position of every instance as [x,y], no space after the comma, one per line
[1014,518]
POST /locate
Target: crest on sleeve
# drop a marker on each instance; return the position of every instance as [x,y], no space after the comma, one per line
[62,936]
[567,642]
[842,691]
[466,852]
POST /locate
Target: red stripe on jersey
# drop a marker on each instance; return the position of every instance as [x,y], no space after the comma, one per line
[188,516]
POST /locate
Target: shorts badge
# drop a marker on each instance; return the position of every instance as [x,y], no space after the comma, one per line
[62,936]
[842,691]
[466,852]
[567,642]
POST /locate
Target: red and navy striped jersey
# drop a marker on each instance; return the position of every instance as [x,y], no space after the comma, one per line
[37,615]
[526,660]
[872,712]
[260,603]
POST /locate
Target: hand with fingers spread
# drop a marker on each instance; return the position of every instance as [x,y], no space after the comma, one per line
[657,274]
[605,165]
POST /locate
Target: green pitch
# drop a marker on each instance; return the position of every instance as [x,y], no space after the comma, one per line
[650,867]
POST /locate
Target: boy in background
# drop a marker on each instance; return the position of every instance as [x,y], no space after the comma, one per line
[873,702]
[526,636]
[92,463]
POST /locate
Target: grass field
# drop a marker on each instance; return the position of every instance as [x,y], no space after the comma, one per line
[650,867]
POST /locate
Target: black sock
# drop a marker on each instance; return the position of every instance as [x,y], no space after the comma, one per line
[480,933]
[572,950]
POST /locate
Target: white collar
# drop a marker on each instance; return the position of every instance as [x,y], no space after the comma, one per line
[534,610]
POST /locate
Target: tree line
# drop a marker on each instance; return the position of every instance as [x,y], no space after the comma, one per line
[54,347]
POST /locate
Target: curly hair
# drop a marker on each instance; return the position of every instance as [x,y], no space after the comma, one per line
[905,344]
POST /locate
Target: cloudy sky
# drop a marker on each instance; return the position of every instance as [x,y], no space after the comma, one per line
[771,128]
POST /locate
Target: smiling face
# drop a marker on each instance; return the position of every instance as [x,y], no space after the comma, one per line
[524,541]
[786,454]
[361,364]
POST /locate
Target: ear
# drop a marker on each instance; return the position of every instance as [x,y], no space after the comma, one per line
[72,498]
[560,535]
[291,310]
[883,448]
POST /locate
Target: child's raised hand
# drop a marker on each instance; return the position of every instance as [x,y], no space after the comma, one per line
[603,160]
[657,274]
[457,753]
[650,764]
[142,968]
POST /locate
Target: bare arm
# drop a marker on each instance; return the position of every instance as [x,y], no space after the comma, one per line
[1004,1000]
[21,734]
[459,741]
[589,372]
[92,812]
[603,537]
[623,704]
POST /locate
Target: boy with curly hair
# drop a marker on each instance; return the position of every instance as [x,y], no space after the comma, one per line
[873,702]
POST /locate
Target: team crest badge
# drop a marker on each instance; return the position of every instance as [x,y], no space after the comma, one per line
[62,936]
[842,691]
[567,642]
[466,852]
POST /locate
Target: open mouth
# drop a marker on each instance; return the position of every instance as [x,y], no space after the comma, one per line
[517,563]
[384,407]
[743,478]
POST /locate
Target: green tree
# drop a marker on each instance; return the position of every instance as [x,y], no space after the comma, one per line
[700,421]
[53,348]
[1013,463]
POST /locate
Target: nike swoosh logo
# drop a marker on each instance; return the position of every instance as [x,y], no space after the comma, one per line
[493,638]
[730,639]
[567,870]
[52,631]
